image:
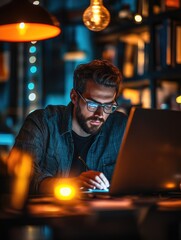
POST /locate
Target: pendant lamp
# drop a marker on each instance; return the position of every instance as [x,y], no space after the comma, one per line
[22,21]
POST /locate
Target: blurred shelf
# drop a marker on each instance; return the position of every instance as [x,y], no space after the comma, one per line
[146,53]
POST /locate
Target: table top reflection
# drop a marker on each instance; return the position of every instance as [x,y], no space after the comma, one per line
[125,217]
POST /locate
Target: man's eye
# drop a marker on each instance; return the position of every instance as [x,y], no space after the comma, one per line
[108,106]
[92,104]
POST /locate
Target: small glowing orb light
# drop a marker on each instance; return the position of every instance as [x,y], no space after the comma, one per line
[178,99]
[138,18]
[65,191]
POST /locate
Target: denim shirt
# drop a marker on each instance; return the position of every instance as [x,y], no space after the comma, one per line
[46,135]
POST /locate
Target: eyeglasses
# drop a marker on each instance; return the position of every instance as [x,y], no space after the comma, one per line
[93,106]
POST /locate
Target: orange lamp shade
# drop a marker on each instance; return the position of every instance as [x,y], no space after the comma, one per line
[22,21]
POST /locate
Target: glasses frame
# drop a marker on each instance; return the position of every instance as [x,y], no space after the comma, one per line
[102,105]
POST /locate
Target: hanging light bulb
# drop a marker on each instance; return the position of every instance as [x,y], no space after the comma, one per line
[96,17]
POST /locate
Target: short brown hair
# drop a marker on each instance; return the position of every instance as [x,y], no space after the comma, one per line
[102,72]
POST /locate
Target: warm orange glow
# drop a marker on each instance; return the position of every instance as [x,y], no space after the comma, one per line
[19,166]
[174,203]
[21,183]
[65,191]
[96,17]
[170,185]
[25,32]
[172,3]
[132,94]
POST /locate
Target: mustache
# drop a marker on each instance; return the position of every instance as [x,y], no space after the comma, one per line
[96,119]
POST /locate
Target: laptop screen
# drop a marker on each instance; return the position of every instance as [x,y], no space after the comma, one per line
[149,159]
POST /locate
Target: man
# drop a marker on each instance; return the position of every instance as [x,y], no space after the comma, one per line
[81,140]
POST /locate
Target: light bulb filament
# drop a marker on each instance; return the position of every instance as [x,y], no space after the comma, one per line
[96,17]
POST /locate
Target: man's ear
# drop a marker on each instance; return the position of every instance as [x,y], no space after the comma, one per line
[73,96]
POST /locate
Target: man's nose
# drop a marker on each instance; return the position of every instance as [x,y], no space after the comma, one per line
[99,111]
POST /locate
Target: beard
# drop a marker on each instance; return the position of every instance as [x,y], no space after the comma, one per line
[82,121]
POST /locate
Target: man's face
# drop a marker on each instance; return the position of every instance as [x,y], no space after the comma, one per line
[88,122]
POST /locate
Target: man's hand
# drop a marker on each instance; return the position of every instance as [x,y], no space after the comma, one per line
[88,180]
[93,179]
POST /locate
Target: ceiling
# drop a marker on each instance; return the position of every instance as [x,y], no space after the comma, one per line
[70,11]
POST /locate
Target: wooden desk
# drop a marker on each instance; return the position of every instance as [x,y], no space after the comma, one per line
[121,218]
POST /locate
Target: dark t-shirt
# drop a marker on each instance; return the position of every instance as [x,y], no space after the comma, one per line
[81,147]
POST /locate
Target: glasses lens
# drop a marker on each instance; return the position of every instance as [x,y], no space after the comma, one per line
[110,108]
[92,106]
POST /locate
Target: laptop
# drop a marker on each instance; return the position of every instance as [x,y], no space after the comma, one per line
[149,159]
